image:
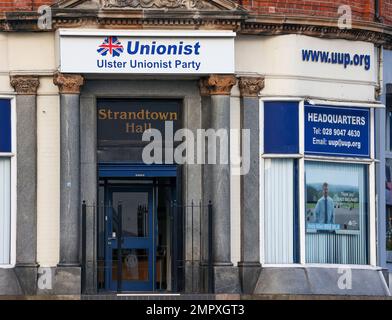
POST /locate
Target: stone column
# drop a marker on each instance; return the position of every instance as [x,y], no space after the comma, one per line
[249,266]
[216,177]
[68,270]
[26,225]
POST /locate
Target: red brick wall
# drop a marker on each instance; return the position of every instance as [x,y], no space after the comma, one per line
[387,11]
[362,9]
[15,5]
[22,5]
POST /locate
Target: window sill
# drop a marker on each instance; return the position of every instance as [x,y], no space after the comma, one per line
[322,265]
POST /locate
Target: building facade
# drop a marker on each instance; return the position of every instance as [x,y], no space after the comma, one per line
[264,171]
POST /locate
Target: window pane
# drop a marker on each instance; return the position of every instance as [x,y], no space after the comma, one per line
[388,201]
[389,228]
[281,127]
[134,212]
[389,117]
[5,125]
[390,129]
[336,213]
[5,210]
[134,264]
[279,211]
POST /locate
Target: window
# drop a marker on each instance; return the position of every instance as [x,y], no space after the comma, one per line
[280,211]
[5,210]
[388,202]
[281,127]
[316,202]
[5,181]
[336,213]
[388,125]
[388,172]
[281,140]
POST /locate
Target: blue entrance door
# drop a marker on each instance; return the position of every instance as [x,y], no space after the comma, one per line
[130,254]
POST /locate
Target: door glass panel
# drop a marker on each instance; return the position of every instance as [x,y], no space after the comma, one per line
[134,213]
[134,264]
[163,253]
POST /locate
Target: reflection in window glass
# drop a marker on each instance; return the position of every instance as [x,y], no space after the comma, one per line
[134,213]
[388,202]
[336,213]
[390,129]
[389,228]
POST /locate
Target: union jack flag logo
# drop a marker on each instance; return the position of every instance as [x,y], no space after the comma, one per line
[111,45]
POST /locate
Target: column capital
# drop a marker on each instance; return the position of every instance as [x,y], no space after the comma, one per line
[217,84]
[25,84]
[250,86]
[68,83]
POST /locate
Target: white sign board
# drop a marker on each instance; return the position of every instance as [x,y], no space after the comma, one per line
[146,52]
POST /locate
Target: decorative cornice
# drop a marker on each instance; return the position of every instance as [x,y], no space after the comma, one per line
[217,84]
[68,83]
[236,19]
[159,4]
[150,4]
[318,27]
[250,86]
[25,84]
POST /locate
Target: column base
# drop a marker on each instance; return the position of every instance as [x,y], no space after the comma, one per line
[9,282]
[27,277]
[249,274]
[67,279]
[193,283]
[226,279]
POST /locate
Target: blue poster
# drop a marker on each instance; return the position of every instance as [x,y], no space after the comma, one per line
[5,125]
[337,131]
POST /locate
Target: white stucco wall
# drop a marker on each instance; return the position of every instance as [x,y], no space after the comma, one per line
[33,53]
[48,173]
[279,59]
[5,87]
